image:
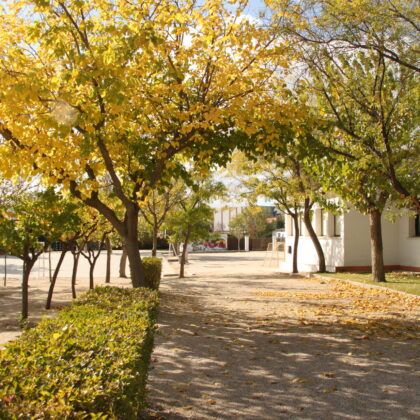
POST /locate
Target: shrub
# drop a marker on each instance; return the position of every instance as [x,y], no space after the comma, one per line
[91,361]
[152,271]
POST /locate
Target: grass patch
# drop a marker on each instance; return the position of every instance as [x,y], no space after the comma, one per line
[403,281]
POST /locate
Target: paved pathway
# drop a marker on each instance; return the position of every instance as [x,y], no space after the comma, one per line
[238,341]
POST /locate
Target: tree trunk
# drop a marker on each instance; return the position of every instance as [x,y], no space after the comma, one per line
[134,261]
[54,278]
[183,256]
[133,254]
[76,257]
[154,247]
[108,260]
[376,246]
[27,267]
[295,218]
[91,270]
[123,262]
[49,264]
[25,284]
[314,237]
[5,269]
[239,243]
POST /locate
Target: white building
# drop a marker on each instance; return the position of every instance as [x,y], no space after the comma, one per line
[222,217]
[345,240]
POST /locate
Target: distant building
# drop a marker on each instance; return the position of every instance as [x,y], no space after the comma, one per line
[224,215]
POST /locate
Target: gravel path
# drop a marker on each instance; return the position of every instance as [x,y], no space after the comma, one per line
[237,340]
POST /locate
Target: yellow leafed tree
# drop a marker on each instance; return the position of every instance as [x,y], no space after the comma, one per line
[101,96]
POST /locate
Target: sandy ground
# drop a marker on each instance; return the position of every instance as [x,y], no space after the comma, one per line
[10,295]
[238,341]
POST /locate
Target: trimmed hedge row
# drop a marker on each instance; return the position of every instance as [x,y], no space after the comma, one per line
[90,362]
[152,271]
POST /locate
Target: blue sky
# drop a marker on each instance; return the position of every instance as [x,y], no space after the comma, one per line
[255,6]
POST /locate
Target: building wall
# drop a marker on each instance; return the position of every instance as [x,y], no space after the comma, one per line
[408,244]
[217,220]
[223,216]
[401,247]
[352,248]
[357,240]
[307,256]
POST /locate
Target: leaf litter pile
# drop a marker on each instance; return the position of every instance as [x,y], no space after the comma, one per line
[366,312]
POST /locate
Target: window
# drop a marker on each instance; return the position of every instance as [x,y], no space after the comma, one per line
[337,225]
[290,226]
[323,221]
[414,226]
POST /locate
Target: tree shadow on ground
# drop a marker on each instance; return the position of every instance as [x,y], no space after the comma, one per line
[227,257]
[214,362]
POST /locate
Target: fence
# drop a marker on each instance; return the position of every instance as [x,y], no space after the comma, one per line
[255,244]
[12,267]
[259,244]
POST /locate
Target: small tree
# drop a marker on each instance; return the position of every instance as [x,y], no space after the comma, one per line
[237,227]
[288,165]
[156,206]
[190,222]
[94,240]
[86,229]
[192,218]
[282,174]
[27,218]
[274,185]
[253,221]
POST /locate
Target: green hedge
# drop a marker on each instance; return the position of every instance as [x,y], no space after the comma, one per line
[152,271]
[89,362]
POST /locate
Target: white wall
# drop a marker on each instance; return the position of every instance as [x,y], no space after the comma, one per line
[353,247]
[223,216]
[217,220]
[408,244]
[307,256]
[357,240]
[399,247]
